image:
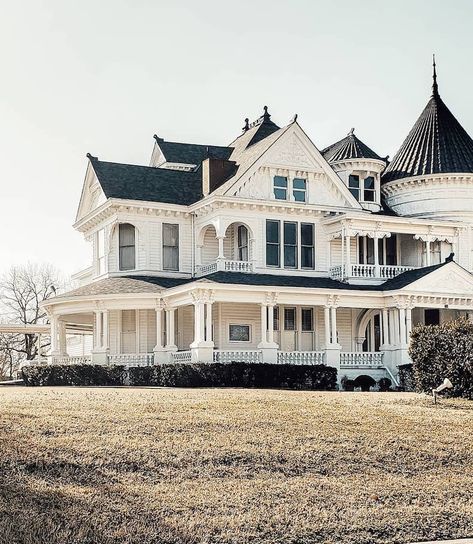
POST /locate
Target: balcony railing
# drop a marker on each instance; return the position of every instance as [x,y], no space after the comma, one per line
[362,359]
[367,271]
[301,357]
[225,265]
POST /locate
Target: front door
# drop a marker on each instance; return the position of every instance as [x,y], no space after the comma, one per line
[288,330]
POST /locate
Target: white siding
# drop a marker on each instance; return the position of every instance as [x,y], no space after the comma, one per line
[239,314]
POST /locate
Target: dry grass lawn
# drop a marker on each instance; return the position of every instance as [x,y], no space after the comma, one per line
[90,465]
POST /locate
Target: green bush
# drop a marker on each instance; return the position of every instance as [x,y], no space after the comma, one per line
[443,351]
[406,377]
[384,384]
[312,377]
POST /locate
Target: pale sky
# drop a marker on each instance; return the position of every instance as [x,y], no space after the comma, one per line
[104,76]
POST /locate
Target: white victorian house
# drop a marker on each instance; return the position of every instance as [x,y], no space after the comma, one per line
[271,250]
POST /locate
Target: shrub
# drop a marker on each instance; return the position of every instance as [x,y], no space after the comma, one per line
[443,351]
[364,381]
[347,384]
[384,384]
[406,378]
[312,377]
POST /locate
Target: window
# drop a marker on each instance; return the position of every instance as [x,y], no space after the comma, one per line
[239,333]
[368,189]
[290,245]
[276,318]
[272,243]
[280,187]
[299,187]
[170,246]
[307,245]
[242,240]
[101,251]
[432,317]
[289,319]
[126,243]
[390,250]
[354,185]
[366,250]
[307,315]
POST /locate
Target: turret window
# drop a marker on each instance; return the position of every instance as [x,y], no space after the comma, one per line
[354,186]
[368,189]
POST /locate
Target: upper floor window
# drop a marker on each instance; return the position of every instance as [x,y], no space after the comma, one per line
[170,246]
[292,244]
[242,240]
[299,187]
[354,185]
[280,188]
[307,245]
[272,243]
[126,246]
[101,251]
[368,189]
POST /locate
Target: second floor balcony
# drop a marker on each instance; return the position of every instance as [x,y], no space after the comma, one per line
[367,271]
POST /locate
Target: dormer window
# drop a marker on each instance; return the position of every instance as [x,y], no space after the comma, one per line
[299,186]
[280,188]
[368,189]
[354,185]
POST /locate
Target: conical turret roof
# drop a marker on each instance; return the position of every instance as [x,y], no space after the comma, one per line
[348,148]
[437,144]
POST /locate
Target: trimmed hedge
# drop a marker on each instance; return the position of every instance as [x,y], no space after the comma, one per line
[311,377]
[443,351]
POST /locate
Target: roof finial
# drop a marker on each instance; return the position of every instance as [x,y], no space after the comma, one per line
[352,130]
[266,114]
[435,87]
[247,125]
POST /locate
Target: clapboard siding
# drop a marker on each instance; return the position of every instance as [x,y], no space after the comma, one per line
[239,314]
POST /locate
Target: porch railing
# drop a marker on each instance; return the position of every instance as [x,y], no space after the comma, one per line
[131,359]
[301,357]
[72,360]
[181,357]
[225,265]
[362,359]
[385,272]
[240,356]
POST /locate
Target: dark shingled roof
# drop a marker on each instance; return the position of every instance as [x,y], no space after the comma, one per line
[266,127]
[348,148]
[437,144]
[191,153]
[409,277]
[130,181]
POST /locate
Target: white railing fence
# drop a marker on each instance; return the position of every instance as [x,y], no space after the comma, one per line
[238,266]
[301,357]
[240,356]
[181,357]
[204,269]
[367,271]
[388,271]
[73,360]
[366,359]
[131,359]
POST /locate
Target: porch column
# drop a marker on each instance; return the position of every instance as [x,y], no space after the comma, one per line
[333,312]
[408,324]
[54,335]
[385,327]
[170,330]
[327,325]
[38,346]
[221,255]
[348,248]
[160,355]
[264,325]
[299,327]
[98,329]
[105,329]
[427,253]
[100,350]
[198,255]
[208,322]
[198,318]
[402,326]
[392,326]
[377,272]
[271,324]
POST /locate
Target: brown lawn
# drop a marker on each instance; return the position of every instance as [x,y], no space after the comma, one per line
[90,465]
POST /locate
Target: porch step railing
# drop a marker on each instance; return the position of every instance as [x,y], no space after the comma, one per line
[301,357]
[367,271]
[361,359]
[131,359]
[240,356]
[72,360]
[225,265]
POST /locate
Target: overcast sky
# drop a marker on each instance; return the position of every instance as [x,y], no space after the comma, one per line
[104,76]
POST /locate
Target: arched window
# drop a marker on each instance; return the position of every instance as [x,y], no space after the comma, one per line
[126,246]
[242,239]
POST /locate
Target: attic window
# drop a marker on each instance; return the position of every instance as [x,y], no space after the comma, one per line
[280,187]
[299,187]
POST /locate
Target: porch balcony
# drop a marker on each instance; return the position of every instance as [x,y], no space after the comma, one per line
[348,272]
[224,265]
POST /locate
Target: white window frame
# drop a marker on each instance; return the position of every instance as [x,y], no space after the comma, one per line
[250,333]
[168,269]
[298,224]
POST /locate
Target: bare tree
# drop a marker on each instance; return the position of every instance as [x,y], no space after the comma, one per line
[22,289]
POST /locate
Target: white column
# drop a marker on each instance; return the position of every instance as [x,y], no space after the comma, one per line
[264,324]
[208,322]
[348,248]
[170,329]
[327,325]
[402,326]
[98,329]
[54,335]
[198,311]
[38,346]
[333,312]
[408,324]
[62,338]
[427,253]
[271,324]
[198,255]
[105,334]
[159,329]
[385,327]
[221,255]
[376,257]
[299,327]
[392,326]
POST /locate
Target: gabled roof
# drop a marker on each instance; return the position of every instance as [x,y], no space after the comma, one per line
[406,278]
[194,154]
[437,144]
[348,148]
[133,182]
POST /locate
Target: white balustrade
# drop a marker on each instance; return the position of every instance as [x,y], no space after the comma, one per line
[337,272]
[181,357]
[131,359]
[241,356]
[367,271]
[301,357]
[238,266]
[73,360]
[363,359]
[391,271]
[205,269]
